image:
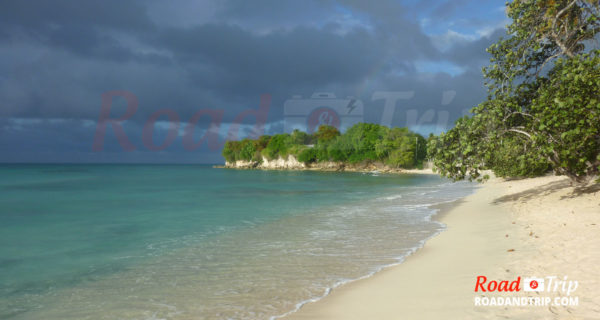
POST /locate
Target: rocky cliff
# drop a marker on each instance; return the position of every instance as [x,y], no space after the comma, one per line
[291,163]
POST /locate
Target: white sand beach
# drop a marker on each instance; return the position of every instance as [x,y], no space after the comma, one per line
[507,229]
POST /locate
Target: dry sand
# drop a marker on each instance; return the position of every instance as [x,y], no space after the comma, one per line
[532,227]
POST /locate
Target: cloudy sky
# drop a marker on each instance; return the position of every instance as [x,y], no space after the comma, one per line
[209,62]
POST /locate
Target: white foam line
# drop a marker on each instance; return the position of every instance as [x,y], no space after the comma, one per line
[394,197]
[399,259]
[378,269]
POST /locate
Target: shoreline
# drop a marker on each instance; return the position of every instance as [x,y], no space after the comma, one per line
[441,209]
[319,169]
[290,163]
[402,289]
[486,234]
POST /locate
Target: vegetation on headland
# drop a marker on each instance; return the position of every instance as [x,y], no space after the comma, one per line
[543,106]
[362,143]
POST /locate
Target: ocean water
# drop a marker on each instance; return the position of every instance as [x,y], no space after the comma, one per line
[193,242]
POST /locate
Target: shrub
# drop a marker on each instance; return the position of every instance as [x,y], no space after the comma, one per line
[308,155]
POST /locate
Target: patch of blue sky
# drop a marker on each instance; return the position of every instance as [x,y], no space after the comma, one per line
[470,18]
[428,66]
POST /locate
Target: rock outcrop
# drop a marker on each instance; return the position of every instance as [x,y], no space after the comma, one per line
[291,163]
[276,164]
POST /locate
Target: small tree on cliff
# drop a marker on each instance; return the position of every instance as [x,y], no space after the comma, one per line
[326,133]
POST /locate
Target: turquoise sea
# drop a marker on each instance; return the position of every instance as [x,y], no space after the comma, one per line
[194,242]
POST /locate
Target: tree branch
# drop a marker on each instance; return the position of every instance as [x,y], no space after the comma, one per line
[559,42]
[537,73]
[521,132]
[561,12]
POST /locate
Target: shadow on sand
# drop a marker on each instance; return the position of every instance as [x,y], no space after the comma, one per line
[550,188]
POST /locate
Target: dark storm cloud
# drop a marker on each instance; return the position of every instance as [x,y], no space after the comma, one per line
[83,28]
[253,63]
[448,8]
[38,15]
[275,12]
[57,58]
[473,53]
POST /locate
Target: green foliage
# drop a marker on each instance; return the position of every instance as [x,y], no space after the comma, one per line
[326,133]
[262,142]
[231,150]
[541,31]
[247,150]
[362,139]
[278,146]
[458,154]
[567,109]
[322,152]
[513,159]
[403,148]
[534,117]
[296,149]
[339,149]
[308,155]
[366,142]
[300,138]
[401,158]
[363,142]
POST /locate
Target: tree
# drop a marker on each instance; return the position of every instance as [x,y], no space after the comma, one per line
[326,133]
[262,142]
[231,150]
[541,31]
[402,148]
[300,138]
[398,147]
[308,155]
[458,154]
[534,116]
[567,117]
[340,149]
[513,158]
[247,150]
[278,146]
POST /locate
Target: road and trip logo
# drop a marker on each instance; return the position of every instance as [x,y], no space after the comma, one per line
[551,291]
[322,108]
